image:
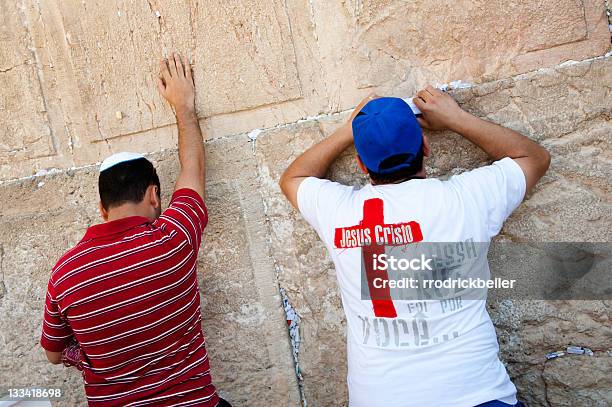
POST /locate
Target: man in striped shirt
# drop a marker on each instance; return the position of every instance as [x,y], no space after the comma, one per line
[124,304]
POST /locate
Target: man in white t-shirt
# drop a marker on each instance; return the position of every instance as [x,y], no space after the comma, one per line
[414,352]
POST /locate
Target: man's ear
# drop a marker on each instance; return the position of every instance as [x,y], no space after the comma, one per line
[153,196]
[426,147]
[361,165]
[103,212]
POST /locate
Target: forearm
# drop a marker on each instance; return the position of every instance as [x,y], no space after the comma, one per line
[54,357]
[191,153]
[495,140]
[315,161]
[190,143]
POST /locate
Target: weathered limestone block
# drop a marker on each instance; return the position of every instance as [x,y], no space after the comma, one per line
[111,48]
[39,220]
[90,76]
[247,55]
[399,46]
[25,132]
[242,316]
[242,52]
[527,330]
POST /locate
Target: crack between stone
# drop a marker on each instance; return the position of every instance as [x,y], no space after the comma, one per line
[2,277]
[10,68]
[282,292]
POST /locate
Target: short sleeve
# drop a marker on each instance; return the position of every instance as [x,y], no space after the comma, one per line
[187,215]
[56,333]
[318,200]
[497,190]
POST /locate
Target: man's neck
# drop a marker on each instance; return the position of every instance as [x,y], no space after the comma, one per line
[125,211]
[419,175]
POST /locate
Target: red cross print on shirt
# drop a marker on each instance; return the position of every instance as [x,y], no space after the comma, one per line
[373,235]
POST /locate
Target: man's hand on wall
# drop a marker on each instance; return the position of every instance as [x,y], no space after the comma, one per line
[439,109]
[440,112]
[175,83]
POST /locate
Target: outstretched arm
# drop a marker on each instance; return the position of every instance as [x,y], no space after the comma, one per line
[315,161]
[176,85]
[441,112]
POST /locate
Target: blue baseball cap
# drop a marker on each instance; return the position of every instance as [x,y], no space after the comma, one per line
[386,128]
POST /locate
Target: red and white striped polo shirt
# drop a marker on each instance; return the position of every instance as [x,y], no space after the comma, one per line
[128,293]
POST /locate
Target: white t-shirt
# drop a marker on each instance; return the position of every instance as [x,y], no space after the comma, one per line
[426,355]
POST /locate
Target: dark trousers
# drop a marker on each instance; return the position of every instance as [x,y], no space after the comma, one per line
[223,403]
[497,403]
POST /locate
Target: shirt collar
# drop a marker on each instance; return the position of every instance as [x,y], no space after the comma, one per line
[115,226]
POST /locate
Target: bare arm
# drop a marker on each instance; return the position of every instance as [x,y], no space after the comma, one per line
[176,85]
[54,357]
[315,161]
[441,112]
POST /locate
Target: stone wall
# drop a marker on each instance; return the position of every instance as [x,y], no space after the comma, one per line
[78,84]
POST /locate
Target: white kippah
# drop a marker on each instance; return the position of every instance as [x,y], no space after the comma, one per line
[118,159]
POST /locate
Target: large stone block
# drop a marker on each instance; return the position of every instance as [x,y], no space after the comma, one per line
[399,46]
[247,55]
[89,80]
[111,48]
[242,52]
[25,131]
[528,330]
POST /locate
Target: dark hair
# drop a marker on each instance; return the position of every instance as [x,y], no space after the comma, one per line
[400,175]
[127,182]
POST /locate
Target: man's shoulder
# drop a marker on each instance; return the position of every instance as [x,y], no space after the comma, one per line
[488,180]
[506,166]
[63,264]
[323,189]
[325,182]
